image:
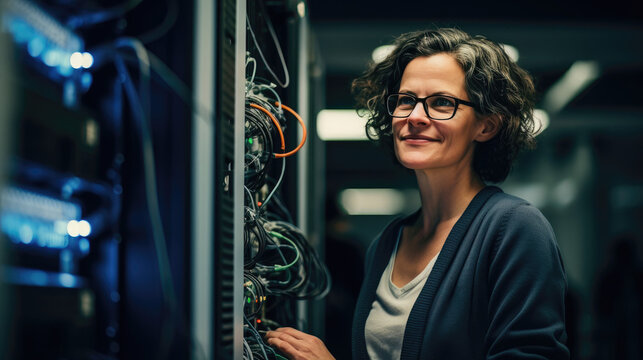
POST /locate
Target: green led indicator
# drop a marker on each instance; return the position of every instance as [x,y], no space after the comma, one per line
[250,141]
[248,300]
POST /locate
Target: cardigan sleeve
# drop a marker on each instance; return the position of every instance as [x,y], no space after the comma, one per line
[527,285]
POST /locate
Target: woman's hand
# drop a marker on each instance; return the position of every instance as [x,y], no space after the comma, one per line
[297,345]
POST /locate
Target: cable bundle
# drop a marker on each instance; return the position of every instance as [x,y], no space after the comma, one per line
[309,277]
[258,148]
[280,265]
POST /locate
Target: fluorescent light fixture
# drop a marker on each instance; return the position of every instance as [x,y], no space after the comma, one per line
[541,118]
[301,9]
[534,193]
[340,125]
[381,52]
[372,201]
[564,193]
[572,83]
[511,51]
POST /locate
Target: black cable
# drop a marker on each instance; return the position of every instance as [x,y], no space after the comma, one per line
[164,27]
[276,210]
[94,18]
[259,341]
[104,54]
[259,148]
[140,110]
[253,285]
[314,279]
[255,239]
[286,81]
[263,207]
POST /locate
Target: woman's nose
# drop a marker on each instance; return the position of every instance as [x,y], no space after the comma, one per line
[418,116]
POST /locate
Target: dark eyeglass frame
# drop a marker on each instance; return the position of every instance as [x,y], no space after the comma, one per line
[425,106]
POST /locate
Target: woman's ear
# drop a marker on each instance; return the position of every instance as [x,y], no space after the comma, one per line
[490,127]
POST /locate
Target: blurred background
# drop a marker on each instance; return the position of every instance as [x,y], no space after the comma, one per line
[122,146]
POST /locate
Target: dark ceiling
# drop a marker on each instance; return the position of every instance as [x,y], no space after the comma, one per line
[550,36]
[618,10]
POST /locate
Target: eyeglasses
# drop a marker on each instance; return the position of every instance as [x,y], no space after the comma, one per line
[436,107]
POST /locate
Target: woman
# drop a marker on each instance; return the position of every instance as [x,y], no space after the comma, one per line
[475,273]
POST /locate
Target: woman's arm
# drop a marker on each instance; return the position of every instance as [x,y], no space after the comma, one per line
[528,285]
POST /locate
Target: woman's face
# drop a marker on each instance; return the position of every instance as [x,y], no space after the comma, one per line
[437,145]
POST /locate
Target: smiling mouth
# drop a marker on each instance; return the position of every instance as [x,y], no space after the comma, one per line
[417,138]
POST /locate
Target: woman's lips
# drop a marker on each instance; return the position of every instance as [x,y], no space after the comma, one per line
[417,139]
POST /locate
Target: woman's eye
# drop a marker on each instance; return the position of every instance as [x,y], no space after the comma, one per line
[442,102]
[406,101]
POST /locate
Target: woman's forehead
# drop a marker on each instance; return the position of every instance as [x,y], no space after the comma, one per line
[439,72]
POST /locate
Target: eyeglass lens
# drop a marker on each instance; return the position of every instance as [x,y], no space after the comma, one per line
[438,107]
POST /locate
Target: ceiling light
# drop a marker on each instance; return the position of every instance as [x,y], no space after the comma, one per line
[301,9]
[372,201]
[346,125]
[572,83]
[511,51]
[541,120]
[381,52]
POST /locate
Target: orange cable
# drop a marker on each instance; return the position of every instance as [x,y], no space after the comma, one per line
[274,120]
[303,128]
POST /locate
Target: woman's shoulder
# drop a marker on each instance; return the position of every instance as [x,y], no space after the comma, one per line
[506,205]
[515,218]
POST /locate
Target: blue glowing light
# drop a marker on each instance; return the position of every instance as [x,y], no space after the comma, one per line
[64,69]
[67,280]
[50,57]
[26,234]
[37,277]
[35,220]
[83,245]
[32,277]
[44,38]
[21,31]
[36,46]
[69,93]
[86,80]
[29,231]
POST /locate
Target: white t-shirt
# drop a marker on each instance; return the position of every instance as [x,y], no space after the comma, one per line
[386,321]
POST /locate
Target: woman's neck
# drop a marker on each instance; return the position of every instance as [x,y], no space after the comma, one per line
[444,198]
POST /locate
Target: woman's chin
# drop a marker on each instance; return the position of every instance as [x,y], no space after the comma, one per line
[414,165]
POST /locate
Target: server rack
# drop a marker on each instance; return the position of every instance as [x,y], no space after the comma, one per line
[278,60]
[218,180]
[160,272]
[89,251]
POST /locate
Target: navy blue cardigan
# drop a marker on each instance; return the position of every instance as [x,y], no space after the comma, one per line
[496,290]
